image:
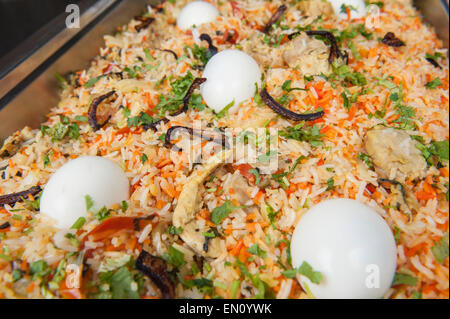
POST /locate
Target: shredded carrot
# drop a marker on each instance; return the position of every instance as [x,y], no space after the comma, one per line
[409,252]
[258,197]
[250,227]
[131,243]
[160,204]
[251,216]
[31,287]
[422,195]
[237,248]
[163,163]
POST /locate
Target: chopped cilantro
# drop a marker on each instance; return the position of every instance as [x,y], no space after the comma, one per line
[397,234]
[433,84]
[142,119]
[39,269]
[175,257]
[305,270]
[73,239]
[303,133]
[175,230]
[62,81]
[330,183]
[255,172]
[172,102]
[121,284]
[366,159]
[92,81]
[271,214]
[225,110]
[435,153]
[144,158]
[265,158]
[200,53]
[256,250]
[404,279]
[79,223]
[103,214]
[124,206]
[61,130]
[440,249]
[89,202]
[221,212]
[281,178]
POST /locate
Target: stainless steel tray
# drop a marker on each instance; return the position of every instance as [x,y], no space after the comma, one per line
[30,89]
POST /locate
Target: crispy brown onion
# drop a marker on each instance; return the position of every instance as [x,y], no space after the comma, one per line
[170,132]
[169,51]
[197,82]
[434,63]
[276,16]
[395,183]
[137,221]
[212,49]
[146,21]
[11,199]
[93,111]
[334,48]
[154,126]
[276,107]
[5,226]
[391,40]
[156,269]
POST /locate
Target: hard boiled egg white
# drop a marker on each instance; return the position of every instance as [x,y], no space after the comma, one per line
[63,197]
[358,11]
[350,245]
[196,13]
[231,76]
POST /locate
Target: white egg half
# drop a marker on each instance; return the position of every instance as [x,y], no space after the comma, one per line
[63,197]
[350,245]
[357,8]
[231,76]
[196,13]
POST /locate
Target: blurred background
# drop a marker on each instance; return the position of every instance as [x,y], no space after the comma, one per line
[19,19]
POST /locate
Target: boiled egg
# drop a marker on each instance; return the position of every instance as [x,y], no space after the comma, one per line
[64,196]
[350,245]
[357,8]
[232,76]
[196,13]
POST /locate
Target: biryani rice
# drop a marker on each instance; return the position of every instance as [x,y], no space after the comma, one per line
[157,182]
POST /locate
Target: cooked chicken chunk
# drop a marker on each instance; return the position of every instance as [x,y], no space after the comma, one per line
[394,154]
[13,143]
[265,55]
[238,184]
[188,203]
[315,8]
[308,54]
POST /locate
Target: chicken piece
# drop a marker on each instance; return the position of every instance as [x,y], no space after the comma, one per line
[188,202]
[239,186]
[13,143]
[316,8]
[403,199]
[394,152]
[263,54]
[308,54]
